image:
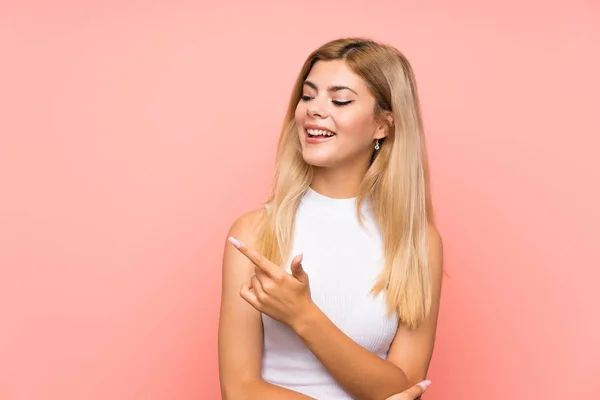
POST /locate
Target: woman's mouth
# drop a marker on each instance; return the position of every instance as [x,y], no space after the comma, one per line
[315,136]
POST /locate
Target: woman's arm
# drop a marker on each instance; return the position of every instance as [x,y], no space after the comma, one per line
[240,327]
[362,373]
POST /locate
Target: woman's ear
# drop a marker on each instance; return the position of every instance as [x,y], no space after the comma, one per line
[390,119]
[387,123]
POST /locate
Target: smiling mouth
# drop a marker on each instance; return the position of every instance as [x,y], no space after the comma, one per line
[319,133]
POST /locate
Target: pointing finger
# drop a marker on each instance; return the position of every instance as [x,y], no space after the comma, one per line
[257,259]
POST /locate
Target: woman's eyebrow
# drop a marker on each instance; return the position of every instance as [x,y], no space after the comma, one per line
[330,88]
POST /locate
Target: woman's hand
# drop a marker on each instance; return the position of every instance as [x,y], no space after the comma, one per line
[411,393]
[272,291]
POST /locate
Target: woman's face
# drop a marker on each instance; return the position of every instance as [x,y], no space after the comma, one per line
[335,117]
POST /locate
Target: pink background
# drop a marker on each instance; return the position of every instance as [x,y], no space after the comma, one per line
[133,133]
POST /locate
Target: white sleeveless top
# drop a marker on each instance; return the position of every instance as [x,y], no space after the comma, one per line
[342,260]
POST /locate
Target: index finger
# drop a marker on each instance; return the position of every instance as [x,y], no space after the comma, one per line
[257,259]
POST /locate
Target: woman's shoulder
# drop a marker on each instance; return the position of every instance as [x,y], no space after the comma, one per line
[245,227]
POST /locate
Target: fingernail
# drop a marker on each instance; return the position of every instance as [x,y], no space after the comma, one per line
[235,242]
[424,384]
[300,257]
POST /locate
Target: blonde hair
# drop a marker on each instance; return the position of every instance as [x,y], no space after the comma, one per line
[397,180]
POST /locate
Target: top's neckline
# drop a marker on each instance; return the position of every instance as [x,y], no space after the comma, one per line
[342,205]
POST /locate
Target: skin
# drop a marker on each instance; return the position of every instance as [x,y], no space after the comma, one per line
[266,288]
[340,163]
[411,393]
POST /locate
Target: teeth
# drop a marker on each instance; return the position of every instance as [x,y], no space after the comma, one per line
[318,132]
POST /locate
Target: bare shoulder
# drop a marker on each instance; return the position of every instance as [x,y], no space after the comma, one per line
[246,226]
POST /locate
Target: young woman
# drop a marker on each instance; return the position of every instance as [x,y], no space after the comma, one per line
[340,273]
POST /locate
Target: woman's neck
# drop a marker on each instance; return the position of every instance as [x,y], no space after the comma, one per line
[337,183]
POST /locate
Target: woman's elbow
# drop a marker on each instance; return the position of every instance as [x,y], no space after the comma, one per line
[232,390]
[237,389]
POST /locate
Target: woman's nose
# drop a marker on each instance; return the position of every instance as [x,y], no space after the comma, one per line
[317,108]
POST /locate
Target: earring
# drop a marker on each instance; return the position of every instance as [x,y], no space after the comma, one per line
[376,144]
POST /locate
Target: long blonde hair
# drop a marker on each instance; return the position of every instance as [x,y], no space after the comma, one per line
[397,180]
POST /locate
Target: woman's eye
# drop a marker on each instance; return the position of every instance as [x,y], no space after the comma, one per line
[337,103]
[341,103]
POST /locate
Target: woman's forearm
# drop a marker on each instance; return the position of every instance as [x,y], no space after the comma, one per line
[261,390]
[362,373]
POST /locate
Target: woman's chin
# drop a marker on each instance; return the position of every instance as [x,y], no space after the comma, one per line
[318,161]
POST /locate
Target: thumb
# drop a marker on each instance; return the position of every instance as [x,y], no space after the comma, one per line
[297,270]
[415,391]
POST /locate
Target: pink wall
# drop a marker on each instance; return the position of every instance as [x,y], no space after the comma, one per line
[134,133]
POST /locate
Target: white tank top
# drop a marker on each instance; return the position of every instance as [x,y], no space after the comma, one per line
[342,260]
